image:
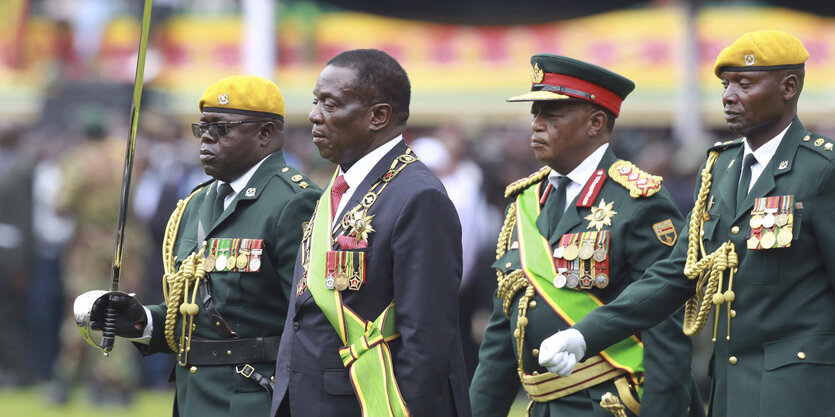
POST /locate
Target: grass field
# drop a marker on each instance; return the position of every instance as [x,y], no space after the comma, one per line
[31,402]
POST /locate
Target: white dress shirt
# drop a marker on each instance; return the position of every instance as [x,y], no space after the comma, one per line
[580,175]
[763,155]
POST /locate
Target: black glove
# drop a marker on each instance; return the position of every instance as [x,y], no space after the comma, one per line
[129,315]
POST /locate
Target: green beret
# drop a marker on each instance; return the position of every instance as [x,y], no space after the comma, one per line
[244,94]
[556,77]
[765,50]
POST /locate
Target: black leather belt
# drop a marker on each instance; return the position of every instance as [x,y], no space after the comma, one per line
[233,351]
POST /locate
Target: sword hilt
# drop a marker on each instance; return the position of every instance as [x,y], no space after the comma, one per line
[108,329]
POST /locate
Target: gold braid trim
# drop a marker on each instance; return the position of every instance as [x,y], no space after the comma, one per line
[520,185]
[709,270]
[510,284]
[174,284]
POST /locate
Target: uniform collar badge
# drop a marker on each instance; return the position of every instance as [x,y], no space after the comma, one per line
[250,192]
[784,165]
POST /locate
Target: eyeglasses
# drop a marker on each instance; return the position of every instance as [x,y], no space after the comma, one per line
[218,129]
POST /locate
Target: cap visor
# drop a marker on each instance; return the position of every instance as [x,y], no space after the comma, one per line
[539,96]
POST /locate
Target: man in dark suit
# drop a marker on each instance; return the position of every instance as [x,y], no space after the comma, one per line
[373,323]
[758,248]
[229,251]
[577,233]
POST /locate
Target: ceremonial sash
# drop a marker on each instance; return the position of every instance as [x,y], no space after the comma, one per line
[365,352]
[570,304]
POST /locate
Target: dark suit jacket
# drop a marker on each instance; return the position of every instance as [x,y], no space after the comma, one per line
[634,247]
[414,258]
[253,304]
[780,360]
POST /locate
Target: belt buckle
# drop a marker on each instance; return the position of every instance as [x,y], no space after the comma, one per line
[246,371]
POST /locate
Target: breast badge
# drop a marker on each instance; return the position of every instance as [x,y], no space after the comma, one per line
[601,215]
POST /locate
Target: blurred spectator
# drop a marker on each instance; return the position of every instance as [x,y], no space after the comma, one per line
[90,193]
[16,251]
[446,156]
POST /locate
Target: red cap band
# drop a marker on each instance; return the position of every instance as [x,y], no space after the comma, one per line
[603,97]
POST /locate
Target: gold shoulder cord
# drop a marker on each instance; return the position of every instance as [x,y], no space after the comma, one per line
[176,284]
[510,284]
[710,268]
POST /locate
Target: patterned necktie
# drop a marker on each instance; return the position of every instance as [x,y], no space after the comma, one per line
[744,180]
[222,192]
[337,190]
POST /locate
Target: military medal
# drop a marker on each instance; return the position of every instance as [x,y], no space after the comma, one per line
[768,239]
[572,280]
[330,265]
[586,281]
[601,280]
[559,279]
[329,282]
[255,259]
[770,208]
[243,260]
[599,255]
[233,258]
[587,247]
[784,237]
[601,215]
[786,209]
[781,219]
[752,243]
[209,262]
[220,262]
[768,220]
[756,221]
[340,282]
[571,250]
[558,252]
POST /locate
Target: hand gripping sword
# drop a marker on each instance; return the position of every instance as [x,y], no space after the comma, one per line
[109,326]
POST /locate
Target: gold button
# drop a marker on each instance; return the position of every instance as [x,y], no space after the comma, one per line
[801,355]
[807,138]
[272,378]
[508,265]
[229,353]
[193,326]
[217,324]
[532,305]
[535,352]
[193,369]
[735,229]
[732,360]
[733,313]
[285,169]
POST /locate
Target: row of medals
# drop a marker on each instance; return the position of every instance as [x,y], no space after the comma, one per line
[768,238]
[338,281]
[573,278]
[229,263]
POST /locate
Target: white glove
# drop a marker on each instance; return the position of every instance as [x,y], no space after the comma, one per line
[560,352]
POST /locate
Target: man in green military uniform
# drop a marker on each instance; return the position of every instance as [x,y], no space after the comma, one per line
[229,253]
[577,233]
[755,248]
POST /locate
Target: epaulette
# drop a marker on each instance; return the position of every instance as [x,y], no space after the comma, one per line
[820,144]
[294,177]
[638,182]
[519,185]
[722,146]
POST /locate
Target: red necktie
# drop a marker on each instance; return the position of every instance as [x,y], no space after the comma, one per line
[339,187]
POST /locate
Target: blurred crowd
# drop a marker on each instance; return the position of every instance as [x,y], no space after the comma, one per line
[60,184]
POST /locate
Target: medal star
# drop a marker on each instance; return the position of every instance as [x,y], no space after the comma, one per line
[601,215]
[361,226]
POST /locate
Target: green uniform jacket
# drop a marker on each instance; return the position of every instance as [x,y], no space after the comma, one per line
[634,247]
[780,359]
[253,304]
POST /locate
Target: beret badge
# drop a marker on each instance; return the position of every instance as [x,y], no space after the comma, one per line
[537,75]
[222,99]
[749,59]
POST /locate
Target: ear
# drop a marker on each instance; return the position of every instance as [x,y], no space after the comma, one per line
[789,87]
[596,122]
[266,133]
[381,114]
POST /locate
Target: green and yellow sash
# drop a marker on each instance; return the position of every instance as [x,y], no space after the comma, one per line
[365,352]
[570,304]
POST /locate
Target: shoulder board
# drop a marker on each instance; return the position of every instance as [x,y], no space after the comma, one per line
[295,178]
[519,185]
[820,144]
[721,146]
[638,182]
[201,185]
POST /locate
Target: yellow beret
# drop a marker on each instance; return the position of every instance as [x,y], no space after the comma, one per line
[244,94]
[765,50]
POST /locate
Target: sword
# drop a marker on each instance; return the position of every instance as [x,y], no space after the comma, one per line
[109,326]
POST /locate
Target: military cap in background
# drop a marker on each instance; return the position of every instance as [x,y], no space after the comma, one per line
[764,50]
[556,77]
[244,94]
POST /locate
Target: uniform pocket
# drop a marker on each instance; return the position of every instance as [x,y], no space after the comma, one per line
[799,376]
[337,382]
